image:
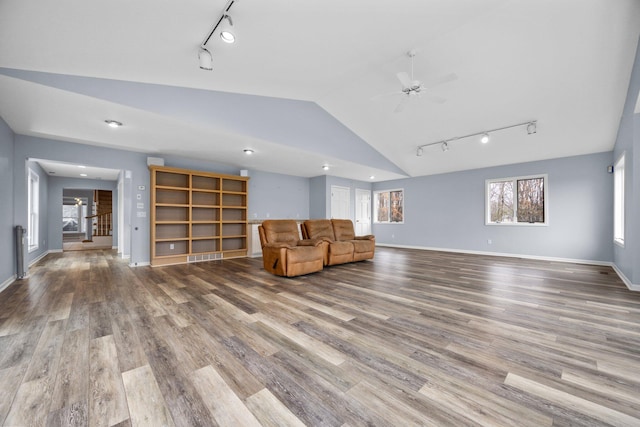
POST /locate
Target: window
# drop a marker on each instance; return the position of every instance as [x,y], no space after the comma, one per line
[33,196]
[73,217]
[388,206]
[517,201]
[618,201]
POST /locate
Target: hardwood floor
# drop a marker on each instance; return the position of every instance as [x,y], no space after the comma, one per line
[410,338]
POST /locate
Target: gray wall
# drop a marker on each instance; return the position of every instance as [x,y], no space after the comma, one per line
[448,211]
[7,260]
[274,195]
[627,258]
[318,197]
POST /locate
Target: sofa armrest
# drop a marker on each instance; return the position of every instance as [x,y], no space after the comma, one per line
[367,237]
[310,242]
[276,245]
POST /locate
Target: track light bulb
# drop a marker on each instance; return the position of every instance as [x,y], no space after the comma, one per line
[485,138]
[206,60]
[419,151]
[532,128]
[445,146]
[225,34]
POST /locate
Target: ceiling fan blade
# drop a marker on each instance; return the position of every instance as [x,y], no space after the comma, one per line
[437,81]
[402,104]
[404,79]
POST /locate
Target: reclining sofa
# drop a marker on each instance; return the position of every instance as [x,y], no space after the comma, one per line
[284,253]
[339,241]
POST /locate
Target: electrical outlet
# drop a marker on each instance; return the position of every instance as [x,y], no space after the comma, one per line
[171,246]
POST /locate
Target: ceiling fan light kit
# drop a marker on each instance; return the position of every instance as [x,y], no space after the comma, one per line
[225,25]
[531,127]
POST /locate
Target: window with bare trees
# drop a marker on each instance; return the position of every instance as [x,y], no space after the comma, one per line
[388,206]
[519,200]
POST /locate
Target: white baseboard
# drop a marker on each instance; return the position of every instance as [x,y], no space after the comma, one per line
[55,251]
[625,279]
[627,282]
[140,264]
[7,282]
[39,258]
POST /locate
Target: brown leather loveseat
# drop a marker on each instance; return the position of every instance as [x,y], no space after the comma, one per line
[284,253]
[341,244]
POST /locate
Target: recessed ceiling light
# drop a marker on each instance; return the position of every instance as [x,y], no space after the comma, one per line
[372,177]
[248,151]
[113,123]
[325,167]
[83,174]
[82,166]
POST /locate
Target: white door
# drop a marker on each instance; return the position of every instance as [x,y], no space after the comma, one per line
[340,202]
[363,212]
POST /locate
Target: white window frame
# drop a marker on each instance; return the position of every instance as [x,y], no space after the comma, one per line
[618,200]
[515,180]
[376,195]
[33,210]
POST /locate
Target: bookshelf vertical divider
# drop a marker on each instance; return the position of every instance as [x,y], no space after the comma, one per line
[197,216]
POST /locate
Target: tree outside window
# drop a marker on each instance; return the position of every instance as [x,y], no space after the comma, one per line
[520,200]
[388,206]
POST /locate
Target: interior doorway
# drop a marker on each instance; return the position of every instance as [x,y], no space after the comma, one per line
[87,219]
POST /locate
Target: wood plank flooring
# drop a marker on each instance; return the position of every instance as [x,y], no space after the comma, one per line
[411,338]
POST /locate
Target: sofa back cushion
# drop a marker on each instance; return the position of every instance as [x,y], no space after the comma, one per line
[280,231]
[319,228]
[343,229]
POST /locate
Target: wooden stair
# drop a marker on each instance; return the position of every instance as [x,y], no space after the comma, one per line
[103,218]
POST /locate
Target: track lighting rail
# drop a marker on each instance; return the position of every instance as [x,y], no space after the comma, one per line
[531,129]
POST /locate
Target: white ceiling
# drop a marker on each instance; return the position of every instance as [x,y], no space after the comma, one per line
[312,68]
[70,170]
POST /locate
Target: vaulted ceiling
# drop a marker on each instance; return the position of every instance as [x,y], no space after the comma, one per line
[301,85]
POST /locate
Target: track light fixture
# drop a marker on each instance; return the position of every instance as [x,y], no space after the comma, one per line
[531,127]
[205,58]
[224,25]
[226,34]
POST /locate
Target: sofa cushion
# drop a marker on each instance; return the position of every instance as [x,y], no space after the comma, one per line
[319,229]
[343,229]
[281,231]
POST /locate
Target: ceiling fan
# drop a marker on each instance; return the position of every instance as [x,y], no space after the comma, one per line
[413,88]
